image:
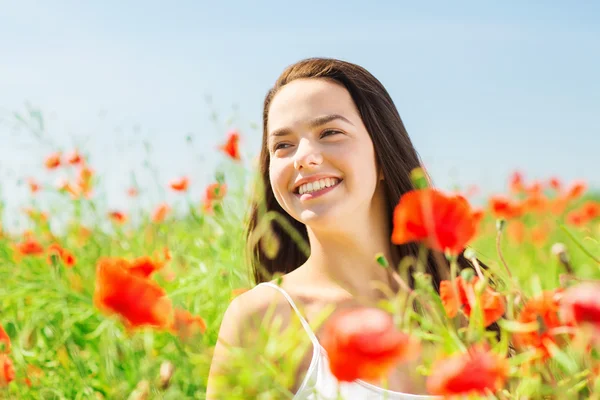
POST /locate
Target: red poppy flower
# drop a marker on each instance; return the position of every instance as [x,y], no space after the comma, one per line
[504,208]
[180,185]
[118,217]
[7,370]
[591,210]
[475,372]
[581,304]
[215,191]
[576,218]
[138,300]
[74,158]
[30,247]
[145,266]
[362,343]
[545,310]
[576,190]
[231,146]
[443,223]
[68,258]
[4,341]
[186,325]
[463,297]
[52,161]
[555,184]
[160,212]
[56,251]
[34,187]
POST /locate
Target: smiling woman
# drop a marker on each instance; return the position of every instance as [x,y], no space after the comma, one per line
[335,161]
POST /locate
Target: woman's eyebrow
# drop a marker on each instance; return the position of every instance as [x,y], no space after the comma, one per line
[318,121]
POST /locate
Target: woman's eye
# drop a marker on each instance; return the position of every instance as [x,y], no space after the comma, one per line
[280,146]
[328,133]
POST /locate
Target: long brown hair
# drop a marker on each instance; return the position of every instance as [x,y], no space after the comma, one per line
[395,153]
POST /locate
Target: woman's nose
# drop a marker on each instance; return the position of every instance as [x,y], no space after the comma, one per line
[307,155]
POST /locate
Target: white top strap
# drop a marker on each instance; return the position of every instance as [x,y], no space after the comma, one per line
[303,321]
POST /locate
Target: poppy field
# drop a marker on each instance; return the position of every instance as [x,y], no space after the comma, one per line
[126,304]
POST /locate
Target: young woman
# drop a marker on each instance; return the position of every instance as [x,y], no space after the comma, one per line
[335,160]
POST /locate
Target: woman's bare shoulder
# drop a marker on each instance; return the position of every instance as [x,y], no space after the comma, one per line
[249,309]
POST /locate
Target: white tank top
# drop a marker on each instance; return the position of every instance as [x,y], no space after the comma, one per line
[319,383]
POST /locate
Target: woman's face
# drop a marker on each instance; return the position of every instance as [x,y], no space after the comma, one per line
[322,162]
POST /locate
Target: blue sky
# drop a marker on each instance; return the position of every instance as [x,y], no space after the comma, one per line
[483,87]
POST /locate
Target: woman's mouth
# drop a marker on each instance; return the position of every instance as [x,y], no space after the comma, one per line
[317,188]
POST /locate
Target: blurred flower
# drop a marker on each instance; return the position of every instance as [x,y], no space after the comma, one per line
[30,247]
[186,325]
[216,191]
[66,187]
[555,184]
[34,187]
[36,215]
[516,182]
[580,305]
[118,217]
[591,210]
[464,297]
[52,161]
[534,189]
[362,343]
[4,341]
[443,223]
[83,234]
[180,184]
[84,181]
[33,375]
[55,251]
[138,300]
[132,192]
[160,212]
[539,234]
[544,310]
[145,266]
[74,158]
[231,146]
[475,372]
[516,231]
[535,203]
[576,218]
[503,208]
[7,370]
[576,190]
[558,205]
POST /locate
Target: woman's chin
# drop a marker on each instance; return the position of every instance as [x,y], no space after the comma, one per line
[319,218]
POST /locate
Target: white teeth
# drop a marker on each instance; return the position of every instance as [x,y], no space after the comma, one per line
[317,185]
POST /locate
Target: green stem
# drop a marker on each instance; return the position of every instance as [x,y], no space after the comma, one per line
[579,244]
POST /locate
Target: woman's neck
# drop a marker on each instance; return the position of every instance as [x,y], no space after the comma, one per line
[348,258]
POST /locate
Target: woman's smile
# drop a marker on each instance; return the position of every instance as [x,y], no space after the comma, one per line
[318,188]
